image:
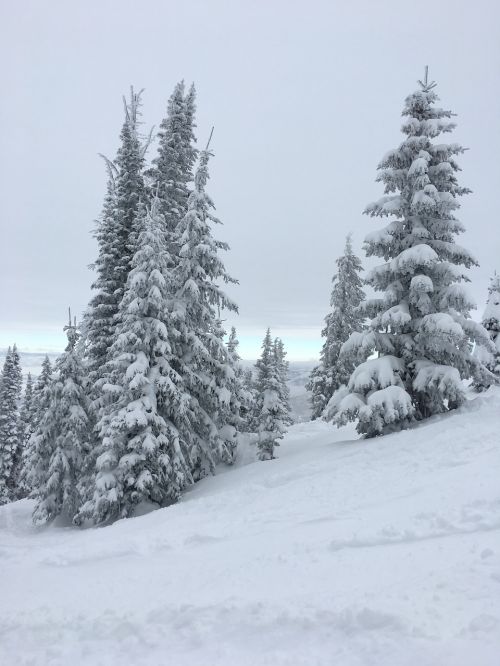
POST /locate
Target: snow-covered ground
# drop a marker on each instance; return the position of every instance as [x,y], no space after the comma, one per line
[342,553]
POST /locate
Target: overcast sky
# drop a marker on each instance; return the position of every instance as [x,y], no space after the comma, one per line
[305,97]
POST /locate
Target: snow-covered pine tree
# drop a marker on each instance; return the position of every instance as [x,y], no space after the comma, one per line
[39,405]
[172,170]
[40,400]
[229,392]
[343,319]
[241,401]
[141,457]
[270,414]
[243,389]
[201,355]
[115,237]
[26,422]
[99,319]
[420,326]
[491,322]
[10,427]
[279,354]
[27,409]
[61,440]
[249,415]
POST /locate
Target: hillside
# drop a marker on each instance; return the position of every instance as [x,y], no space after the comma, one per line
[349,553]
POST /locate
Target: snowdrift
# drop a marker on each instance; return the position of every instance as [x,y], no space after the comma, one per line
[341,552]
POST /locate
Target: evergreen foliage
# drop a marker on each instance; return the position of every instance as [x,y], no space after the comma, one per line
[241,399]
[115,237]
[40,399]
[271,414]
[279,355]
[172,170]
[420,325]
[491,322]
[26,429]
[201,357]
[27,409]
[10,425]
[343,319]
[60,443]
[141,456]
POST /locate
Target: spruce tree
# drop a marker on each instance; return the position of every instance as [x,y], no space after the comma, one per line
[115,237]
[40,400]
[142,456]
[279,354]
[270,412]
[27,409]
[172,170]
[99,321]
[26,429]
[10,426]
[61,441]
[242,395]
[249,415]
[343,319]
[201,355]
[420,326]
[491,322]
[39,406]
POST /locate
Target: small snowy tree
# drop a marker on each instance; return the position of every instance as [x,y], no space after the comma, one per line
[27,425]
[343,319]
[271,414]
[243,384]
[420,326]
[142,457]
[27,409]
[491,322]
[279,355]
[39,405]
[61,441]
[248,412]
[26,429]
[10,426]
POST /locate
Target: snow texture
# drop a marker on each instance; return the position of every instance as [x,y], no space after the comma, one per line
[357,553]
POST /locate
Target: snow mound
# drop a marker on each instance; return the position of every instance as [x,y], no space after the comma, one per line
[382,552]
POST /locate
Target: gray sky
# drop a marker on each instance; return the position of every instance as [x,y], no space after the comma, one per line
[305,98]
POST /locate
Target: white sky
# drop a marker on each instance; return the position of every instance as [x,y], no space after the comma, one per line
[305,98]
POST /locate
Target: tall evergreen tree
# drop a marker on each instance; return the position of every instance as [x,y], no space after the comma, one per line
[420,325]
[115,237]
[10,430]
[142,456]
[61,441]
[343,319]
[201,355]
[491,322]
[172,170]
[99,320]
[270,412]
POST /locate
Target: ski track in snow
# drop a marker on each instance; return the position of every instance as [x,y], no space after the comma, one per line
[383,552]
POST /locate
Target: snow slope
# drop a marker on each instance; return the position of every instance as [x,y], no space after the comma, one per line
[342,553]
